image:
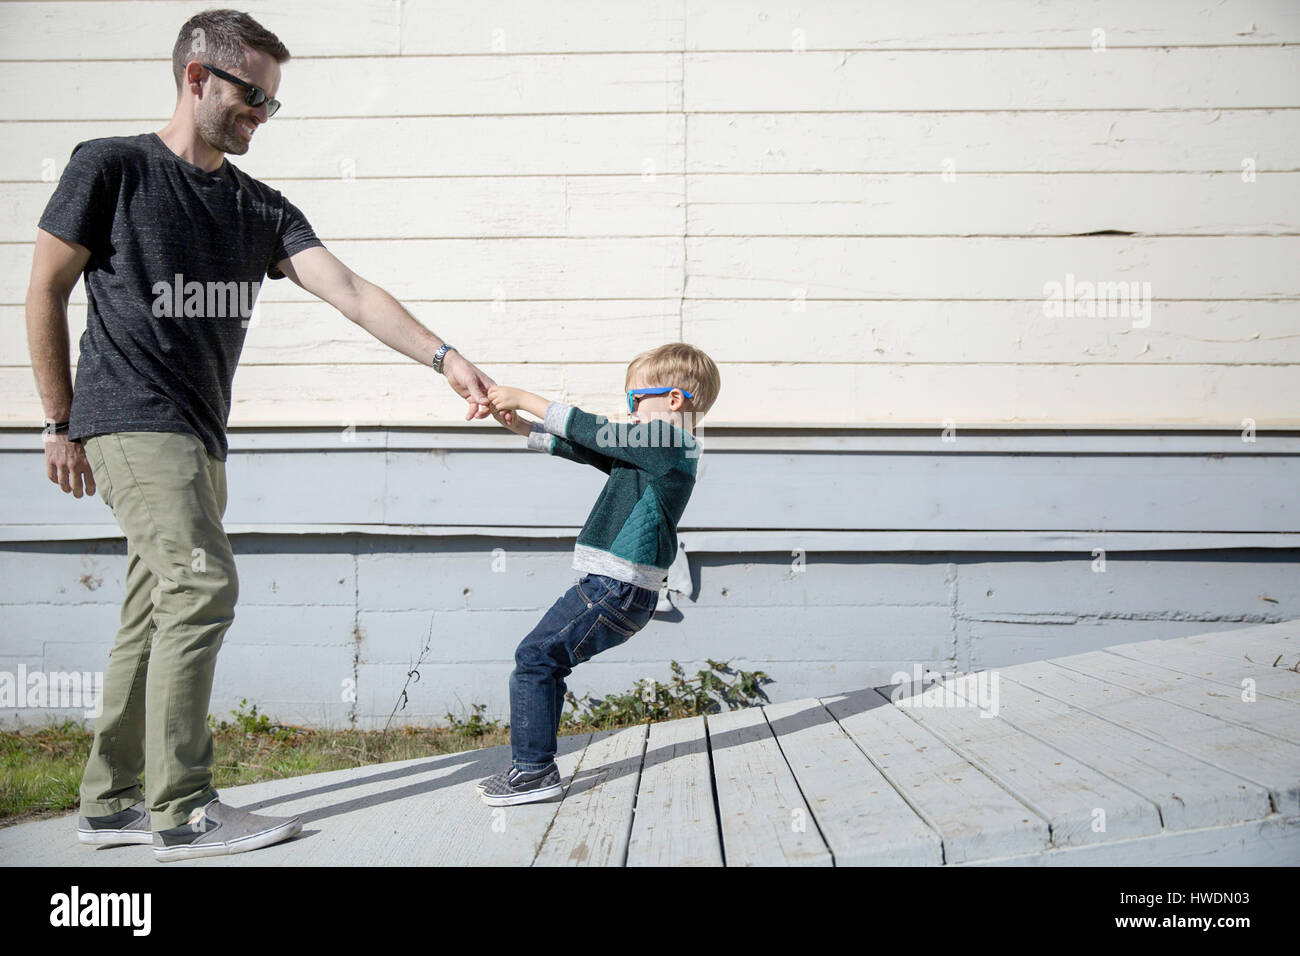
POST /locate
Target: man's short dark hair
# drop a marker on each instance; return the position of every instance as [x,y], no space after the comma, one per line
[221,37]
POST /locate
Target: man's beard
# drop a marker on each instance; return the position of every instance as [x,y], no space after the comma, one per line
[218,129]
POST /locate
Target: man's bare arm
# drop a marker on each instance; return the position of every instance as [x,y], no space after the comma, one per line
[319,272]
[56,267]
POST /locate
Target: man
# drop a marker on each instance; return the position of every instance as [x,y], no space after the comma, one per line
[174,242]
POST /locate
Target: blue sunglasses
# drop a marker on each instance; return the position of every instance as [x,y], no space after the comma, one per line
[632,395]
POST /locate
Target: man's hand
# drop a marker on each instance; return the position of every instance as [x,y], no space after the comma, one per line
[66,465]
[471,384]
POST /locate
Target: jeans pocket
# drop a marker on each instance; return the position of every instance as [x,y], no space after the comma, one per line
[591,589]
[603,634]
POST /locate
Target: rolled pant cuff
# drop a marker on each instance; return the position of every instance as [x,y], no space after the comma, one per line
[179,817]
[531,767]
[106,808]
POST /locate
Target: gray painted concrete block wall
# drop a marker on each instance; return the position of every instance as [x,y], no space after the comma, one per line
[329,625]
[916,552]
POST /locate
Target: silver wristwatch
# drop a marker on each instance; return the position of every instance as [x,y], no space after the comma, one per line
[439,355]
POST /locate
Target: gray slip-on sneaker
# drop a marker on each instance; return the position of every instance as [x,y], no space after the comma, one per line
[217,829]
[126,826]
[522,786]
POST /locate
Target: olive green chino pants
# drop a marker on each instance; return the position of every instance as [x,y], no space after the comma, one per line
[168,496]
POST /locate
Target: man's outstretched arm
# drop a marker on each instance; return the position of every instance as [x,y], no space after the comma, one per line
[56,267]
[318,271]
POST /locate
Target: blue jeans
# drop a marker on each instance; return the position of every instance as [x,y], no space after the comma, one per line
[594,615]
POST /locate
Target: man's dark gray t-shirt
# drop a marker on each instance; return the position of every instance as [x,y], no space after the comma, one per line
[177,257]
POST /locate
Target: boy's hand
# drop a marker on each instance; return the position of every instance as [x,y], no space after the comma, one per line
[509,400]
[502,398]
[516,424]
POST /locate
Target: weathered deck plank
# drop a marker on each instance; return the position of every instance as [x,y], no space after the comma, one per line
[461,830]
[1281,683]
[675,822]
[1190,793]
[1065,791]
[973,816]
[1265,715]
[759,802]
[1268,639]
[861,816]
[1273,841]
[592,825]
[1259,759]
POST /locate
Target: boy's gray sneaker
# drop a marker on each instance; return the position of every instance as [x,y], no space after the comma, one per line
[217,829]
[522,786]
[126,826]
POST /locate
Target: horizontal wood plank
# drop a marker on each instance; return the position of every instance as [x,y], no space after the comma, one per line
[94,30]
[147,29]
[444,207]
[904,81]
[1084,278]
[584,332]
[900,204]
[289,147]
[992,24]
[1221,267]
[1041,142]
[990,204]
[1005,141]
[371,86]
[944,398]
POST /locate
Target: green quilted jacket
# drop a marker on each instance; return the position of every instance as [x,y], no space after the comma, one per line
[631,533]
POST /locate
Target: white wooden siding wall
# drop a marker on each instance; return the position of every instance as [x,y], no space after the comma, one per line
[555,187]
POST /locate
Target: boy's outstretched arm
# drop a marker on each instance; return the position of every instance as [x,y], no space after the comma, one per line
[501,398]
[654,446]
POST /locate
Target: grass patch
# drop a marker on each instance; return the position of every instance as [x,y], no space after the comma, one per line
[40,770]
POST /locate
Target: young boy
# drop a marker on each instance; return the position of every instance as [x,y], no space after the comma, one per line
[625,548]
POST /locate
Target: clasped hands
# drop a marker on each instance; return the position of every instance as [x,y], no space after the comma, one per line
[505,401]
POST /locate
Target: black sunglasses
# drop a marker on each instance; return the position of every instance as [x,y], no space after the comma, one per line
[255,96]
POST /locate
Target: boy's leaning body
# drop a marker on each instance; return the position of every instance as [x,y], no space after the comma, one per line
[624,549]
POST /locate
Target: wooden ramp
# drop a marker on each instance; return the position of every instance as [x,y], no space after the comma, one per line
[1169,752]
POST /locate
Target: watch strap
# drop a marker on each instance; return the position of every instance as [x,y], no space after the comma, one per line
[440,355]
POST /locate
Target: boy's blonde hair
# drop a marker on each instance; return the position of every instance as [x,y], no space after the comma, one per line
[682,366]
